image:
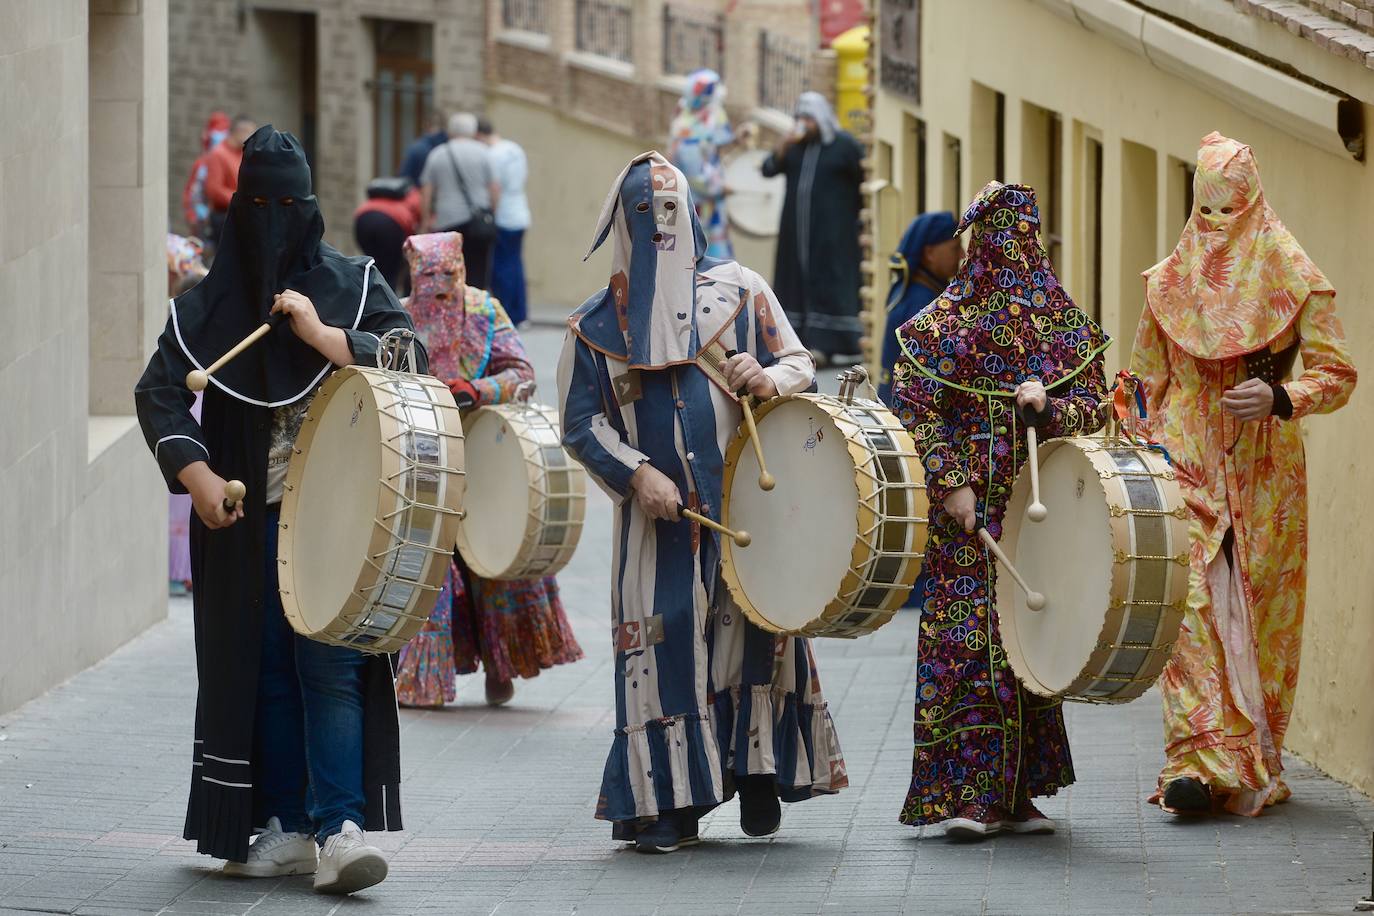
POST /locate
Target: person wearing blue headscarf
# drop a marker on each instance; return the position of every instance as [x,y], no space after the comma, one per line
[924,262]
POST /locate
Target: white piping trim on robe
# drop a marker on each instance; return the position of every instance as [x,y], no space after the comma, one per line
[328,366]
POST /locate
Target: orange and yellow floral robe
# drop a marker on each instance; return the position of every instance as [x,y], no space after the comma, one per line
[1228,689]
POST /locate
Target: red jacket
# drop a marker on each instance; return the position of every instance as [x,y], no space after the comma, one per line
[404,213]
[222,175]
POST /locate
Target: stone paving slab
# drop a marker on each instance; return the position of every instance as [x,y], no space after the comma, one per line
[499,802]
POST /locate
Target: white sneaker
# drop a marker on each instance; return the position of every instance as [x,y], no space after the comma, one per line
[275,853]
[348,864]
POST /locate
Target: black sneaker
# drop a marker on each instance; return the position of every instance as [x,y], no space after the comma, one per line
[759,810]
[672,830]
[1187,795]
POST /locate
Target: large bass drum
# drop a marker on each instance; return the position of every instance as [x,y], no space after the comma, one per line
[370,511]
[523,517]
[837,545]
[1112,561]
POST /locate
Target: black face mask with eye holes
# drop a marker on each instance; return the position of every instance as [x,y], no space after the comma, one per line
[272,241]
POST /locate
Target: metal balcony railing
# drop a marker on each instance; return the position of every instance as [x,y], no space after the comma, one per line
[692,41]
[784,70]
[603,27]
[526,15]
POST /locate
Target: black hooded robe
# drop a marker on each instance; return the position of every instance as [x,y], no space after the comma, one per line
[816,275]
[233,436]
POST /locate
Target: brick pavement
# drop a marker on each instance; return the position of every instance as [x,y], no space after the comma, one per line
[499,807]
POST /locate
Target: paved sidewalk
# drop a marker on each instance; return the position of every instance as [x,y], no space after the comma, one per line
[499,806]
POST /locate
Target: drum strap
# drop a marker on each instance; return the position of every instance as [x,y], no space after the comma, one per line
[490,315]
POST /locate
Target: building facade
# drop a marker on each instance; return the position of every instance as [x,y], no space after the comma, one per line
[355,80]
[584,85]
[83,533]
[1100,105]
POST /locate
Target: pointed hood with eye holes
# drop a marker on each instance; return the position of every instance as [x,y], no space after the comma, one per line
[1005,317]
[1238,280]
[438,299]
[649,315]
[272,242]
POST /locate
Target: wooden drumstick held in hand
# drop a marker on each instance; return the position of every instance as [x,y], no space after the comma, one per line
[198,379]
[1036,511]
[234,492]
[1034,600]
[766,481]
[742,538]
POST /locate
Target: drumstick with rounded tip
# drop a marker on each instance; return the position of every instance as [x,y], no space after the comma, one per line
[1036,511]
[742,538]
[766,481]
[234,492]
[1034,600]
[198,379]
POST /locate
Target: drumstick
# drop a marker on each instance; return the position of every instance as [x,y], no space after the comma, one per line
[1036,511]
[742,538]
[198,379]
[234,492]
[766,481]
[1034,600]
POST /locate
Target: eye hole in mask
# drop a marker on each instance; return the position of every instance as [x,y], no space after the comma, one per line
[260,202]
[287,201]
[642,207]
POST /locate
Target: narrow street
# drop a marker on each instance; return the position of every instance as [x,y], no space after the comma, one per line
[499,802]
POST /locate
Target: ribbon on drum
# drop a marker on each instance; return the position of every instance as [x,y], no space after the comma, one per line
[1127,387]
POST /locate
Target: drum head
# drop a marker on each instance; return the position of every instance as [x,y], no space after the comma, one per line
[755,203]
[804,529]
[497,501]
[336,501]
[1068,557]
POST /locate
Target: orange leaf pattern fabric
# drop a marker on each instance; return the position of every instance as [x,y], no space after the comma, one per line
[1228,688]
[1214,295]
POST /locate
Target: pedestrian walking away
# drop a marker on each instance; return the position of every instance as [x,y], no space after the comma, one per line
[707,704]
[985,747]
[294,739]
[511,628]
[383,222]
[511,169]
[1228,312]
[817,271]
[461,194]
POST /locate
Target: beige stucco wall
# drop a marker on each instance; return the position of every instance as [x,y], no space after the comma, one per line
[83,529]
[1143,117]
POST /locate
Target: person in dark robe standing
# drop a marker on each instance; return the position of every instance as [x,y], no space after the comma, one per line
[925,261]
[816,276]
[295,740]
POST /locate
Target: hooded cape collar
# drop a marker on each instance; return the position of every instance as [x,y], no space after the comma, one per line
[1237,280]
[1004,318]
[271,242]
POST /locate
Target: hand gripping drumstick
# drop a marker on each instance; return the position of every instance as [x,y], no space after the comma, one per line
[234,492]
[1034,600]
[198,379]
[766,481]
[742,538]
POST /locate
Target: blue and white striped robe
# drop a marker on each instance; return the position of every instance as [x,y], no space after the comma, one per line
[701,693]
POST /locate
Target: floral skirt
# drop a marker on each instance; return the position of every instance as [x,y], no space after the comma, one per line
[512,629]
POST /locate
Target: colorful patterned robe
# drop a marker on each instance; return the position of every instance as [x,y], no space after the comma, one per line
[511,628]
[1228,689]
[702,695]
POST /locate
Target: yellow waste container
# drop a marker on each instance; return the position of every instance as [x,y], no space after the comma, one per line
[851,78]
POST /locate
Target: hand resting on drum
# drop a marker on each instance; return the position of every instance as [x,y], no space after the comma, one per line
[207,495]
[658,496]
[743,372]
[962,506]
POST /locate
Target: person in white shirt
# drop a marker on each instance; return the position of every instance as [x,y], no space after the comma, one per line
[509,169]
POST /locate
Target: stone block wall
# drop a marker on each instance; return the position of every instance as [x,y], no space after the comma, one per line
[83,532]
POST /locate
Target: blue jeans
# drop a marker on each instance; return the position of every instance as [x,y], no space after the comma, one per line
[508,273]
[308,738]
